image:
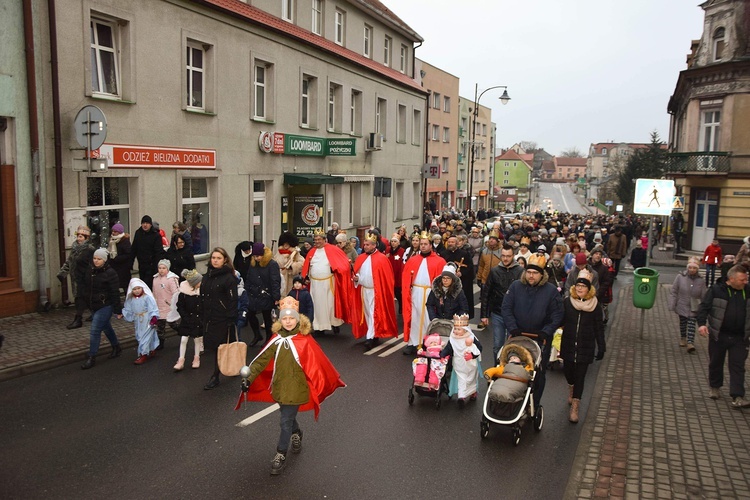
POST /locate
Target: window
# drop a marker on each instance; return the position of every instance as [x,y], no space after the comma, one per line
[195,76]
[719,44]
[462,175]
[436,100]
[339,26]
[446,134]
[710,128]
[445,165]
[105,70]
[308,102]
[404,57]
[317,17]
[506,182]
[507,164]
[263,90]
[287,10]
[484,129]
[435,161]
[401,124]
[367,42]
[447,104]
[416,128]
[507,173]
[355,113]
[387,44]
[484,152]
[106,205]
[334,107]
[195,211]
[436,132]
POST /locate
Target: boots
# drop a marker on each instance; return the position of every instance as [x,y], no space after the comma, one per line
[116,351]
[574,410]
[257,339]
[179,365]
[89,363]
[570,394]
[197,362]
[76,323]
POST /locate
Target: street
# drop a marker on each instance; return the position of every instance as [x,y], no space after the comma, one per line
[560,197]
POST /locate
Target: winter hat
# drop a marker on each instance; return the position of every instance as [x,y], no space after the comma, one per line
[258,248]
[746,239]
[289,307]
[288,238]
[119,228]
[192,276]
[543,231]
[164,262]
[598,249]
[536,262]
[101,253]
[584,277]
[560,241]
[298,279]
[513,353]
[552,230]
[541,248]
[84,230]
[580,259]
[598,237]
[450,271]
[156,226]
[147,219]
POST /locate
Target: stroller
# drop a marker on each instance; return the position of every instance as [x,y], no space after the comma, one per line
[431,375]
[514,408]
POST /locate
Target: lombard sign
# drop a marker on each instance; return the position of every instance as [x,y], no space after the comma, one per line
[301,145]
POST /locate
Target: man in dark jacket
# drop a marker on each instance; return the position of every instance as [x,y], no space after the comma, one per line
[147,250]
[723,314]
[263,286]
[534,306]
[604,292]
[464,269]
[498,283]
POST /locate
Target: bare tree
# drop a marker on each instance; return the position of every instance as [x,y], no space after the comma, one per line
[572,152]
[529,146]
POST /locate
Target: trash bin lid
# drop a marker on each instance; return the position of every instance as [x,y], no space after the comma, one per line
[646,272]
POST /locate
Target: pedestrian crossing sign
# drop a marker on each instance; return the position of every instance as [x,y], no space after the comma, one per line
[653,196]
[678,203]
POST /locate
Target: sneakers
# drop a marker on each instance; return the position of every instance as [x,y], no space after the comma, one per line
[690,348]
[297,441]
[683,342]
[278,463]
[714,393]
[740,403]
[196,362]
[179,365]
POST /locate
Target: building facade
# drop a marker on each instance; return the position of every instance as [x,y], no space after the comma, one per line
[512,177]
[239,119]
[605,160]
[475,179]
[709,133]
[569,169]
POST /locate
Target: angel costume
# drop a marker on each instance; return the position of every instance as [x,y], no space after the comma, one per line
[139,311]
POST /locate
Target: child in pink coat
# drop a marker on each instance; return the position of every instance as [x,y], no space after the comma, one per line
[166,284]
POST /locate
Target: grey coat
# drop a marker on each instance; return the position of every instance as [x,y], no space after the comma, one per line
[685,288]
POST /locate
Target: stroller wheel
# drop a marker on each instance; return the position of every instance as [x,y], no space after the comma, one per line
[516,436]
[539,419]
[411,397]
[484,428]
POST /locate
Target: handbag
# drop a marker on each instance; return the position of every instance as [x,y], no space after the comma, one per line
[232,356]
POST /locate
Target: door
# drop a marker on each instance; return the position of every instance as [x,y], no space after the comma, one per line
[706,218]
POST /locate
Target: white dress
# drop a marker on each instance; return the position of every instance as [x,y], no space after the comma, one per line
[420,290]
[322,285]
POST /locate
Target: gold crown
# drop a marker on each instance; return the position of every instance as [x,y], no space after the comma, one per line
[424,235]
[319,231]
[371,237]
[462,320]
[494,234]
[289,303]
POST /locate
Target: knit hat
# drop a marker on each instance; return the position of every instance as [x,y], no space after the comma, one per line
[746,239]
[552,230]
[289,307]
[541,248]
[298,279]
[147,219]
[537,262]
[560,241]
[598,249]
[584,277]
[192,276]
[84,230]
[164,262]
[598,237]
[288,238]
[450,271]
[258,248]
[101,253]
[119,228]
[580,259]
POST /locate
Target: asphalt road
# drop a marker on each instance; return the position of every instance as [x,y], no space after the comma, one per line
[560,197]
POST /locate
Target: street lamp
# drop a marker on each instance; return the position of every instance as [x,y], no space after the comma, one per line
[503,99]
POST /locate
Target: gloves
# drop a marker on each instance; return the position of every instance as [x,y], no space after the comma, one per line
[468,356]
[515,332]
[153,321]
[599,356]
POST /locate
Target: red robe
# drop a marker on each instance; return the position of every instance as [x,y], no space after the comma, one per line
[322,377]
[347,304]
[385,312]
[435,265]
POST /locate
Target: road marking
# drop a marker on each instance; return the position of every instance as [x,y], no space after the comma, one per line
[254,418]
[397,348]
[382,346]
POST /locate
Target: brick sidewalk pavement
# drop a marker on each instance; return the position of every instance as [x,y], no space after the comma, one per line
[651,431]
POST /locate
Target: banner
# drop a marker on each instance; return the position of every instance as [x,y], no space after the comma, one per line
[308,214]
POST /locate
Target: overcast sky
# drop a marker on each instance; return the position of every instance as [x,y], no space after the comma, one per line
[578,71]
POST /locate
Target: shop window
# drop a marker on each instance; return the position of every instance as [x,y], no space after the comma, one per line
[195,213]
[107,203]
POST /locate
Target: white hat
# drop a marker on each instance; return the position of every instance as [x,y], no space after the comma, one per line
[449,270]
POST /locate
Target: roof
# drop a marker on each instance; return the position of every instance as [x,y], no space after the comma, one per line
[599,146]
[548,165]
[563,161]
[387,15]
[511,155]
[254,15]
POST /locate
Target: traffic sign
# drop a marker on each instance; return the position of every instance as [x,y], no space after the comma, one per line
[430,171]
[609,203]
[678,203]
[91,127]
[653,196]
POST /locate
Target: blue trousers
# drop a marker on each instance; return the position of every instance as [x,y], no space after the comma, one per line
[289,426]
[101,321]
[498,334]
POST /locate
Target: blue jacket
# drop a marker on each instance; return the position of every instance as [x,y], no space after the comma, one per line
[533,309]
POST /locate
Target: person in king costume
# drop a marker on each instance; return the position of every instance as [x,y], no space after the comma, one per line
[293,371]
[416,284]
[331,286]
[373,275]
[464,350]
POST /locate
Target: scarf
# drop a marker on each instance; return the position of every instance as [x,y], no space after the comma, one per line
[112,245]
[583,305]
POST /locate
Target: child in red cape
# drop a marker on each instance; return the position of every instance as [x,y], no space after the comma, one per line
[293,371]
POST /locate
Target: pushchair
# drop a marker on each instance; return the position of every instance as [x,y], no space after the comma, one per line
[430,375]
[512,402]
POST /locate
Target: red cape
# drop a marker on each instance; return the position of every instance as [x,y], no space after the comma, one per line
[347,304]
[385,311]
[435,265]
[322,377]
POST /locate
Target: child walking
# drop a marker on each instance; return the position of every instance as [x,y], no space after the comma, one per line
[165,286]
[141,310]
[189,309]
[464,349]
[302,295]
[293,371]
[712,258]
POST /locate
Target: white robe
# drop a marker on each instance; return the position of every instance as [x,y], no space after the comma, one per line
[322,284]
[366,288]
[420,290]
[465,373]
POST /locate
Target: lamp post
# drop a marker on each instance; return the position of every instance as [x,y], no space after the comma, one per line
[503,99]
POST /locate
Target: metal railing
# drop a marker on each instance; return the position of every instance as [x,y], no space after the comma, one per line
[698,162]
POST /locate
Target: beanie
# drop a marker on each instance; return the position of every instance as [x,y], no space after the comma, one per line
[164,262]
[288,306]
[192,276]
[101,253]
[119,228]
[146,219]
[580,259]
[298,279]
[258,248]
[450,271]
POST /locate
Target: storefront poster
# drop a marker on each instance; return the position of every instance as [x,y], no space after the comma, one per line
[308,214]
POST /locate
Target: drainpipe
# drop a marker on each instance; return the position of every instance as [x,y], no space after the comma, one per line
[41,266]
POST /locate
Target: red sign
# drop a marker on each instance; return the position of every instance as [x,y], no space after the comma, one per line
[278,143]
[126,156]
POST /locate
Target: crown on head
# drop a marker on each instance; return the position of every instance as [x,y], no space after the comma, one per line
[424,235]
[289,303]
[371,237]
[319,231]
[462,320]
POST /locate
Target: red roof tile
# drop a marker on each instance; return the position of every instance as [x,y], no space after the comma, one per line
[254,15]
[570,162]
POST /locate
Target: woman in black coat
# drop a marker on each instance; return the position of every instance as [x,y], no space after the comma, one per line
[263,286]
[102,293]
[583,333]
[120,254]
[447,297]
[180,256]
[219,303]
[242,256]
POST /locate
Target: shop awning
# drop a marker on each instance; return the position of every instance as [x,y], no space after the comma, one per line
[312,179]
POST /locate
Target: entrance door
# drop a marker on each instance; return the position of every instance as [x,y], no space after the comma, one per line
[706,218]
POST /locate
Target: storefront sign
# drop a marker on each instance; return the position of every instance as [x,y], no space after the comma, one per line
[483,192]
[308,214]
[301,145]
[741,193]
[127,156]
[341,147]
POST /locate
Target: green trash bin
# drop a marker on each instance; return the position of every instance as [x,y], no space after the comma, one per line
[645,281]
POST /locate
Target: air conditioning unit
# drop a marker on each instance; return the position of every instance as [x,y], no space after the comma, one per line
[374,142]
